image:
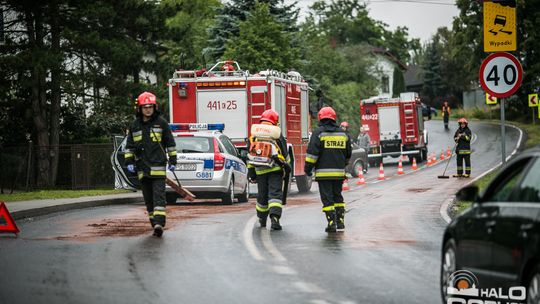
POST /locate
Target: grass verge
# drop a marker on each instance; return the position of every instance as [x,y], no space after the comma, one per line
[482,185]
[56,194]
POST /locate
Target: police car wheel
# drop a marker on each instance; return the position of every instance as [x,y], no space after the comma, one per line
[448,266]
[228,197]
[533,286]
[244,197]
[357,167]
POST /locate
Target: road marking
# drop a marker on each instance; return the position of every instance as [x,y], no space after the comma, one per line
[284,270]
[306,287]
[444,210]
[319,301]
[269,245]
[248,239]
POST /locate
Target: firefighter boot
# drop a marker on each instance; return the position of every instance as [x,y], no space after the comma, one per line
[331,218]
[340,217]
[158,230]
[275,222]
[151,218]
[262,221]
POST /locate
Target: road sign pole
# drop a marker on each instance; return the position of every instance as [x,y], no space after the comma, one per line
[534,117]
[503,133]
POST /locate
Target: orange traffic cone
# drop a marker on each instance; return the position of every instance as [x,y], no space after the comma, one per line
[361,180]
[381,172]
[434,159]
[429,161]
[400,168]
[448,152]
[345,185]
[414,167]
[442,154]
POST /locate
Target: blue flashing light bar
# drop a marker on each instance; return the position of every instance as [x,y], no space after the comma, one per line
[196,127]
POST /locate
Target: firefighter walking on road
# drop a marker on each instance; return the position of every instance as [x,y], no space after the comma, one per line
[328,153]
[462,138]
[148,138]
[270,179]
[445,110]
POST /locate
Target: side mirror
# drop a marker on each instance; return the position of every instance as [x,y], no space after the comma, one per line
[243,154]
[469,194]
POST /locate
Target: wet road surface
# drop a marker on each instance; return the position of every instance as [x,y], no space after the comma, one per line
[389,252]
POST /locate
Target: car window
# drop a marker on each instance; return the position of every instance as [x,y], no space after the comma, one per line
[228,145]
[193,144]
[529,188]
[502,190]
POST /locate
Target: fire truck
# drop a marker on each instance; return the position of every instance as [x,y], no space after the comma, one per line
[395,127]
[228,95]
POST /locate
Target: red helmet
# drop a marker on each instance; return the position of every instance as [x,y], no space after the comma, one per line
[270,116]
[344,124]
[463,120]
[228,66]
[327,112]
[146,98]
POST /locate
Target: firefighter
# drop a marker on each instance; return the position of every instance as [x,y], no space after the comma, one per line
[445,114]
[270,179]
[328,153]
[148,139]
[344,126]
[462,138]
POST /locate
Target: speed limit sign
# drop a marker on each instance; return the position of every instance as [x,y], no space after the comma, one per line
[501,74]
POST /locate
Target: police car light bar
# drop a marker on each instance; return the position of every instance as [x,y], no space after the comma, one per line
[196,127]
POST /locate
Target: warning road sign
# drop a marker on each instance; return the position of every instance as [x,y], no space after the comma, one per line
[490,100]
[501,74]
[533,100]
[499,25]
[9,225]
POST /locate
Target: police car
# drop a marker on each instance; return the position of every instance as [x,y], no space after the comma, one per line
[208,165]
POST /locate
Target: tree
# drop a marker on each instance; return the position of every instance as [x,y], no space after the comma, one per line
[261,43]
[399,82]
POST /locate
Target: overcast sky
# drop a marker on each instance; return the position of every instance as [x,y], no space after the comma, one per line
[422,19]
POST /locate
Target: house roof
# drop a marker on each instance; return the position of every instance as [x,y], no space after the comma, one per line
[414,76]
[386,53]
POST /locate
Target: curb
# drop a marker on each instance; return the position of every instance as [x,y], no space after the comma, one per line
[23,214]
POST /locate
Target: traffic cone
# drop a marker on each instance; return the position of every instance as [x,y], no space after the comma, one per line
[434,159]
[448,152]
[442,154]
[381,172]
[361,180]
[345,185]
[404,157]
[429,161]
[414,167]
[400,168]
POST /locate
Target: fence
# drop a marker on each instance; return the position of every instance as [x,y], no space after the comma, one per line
[85,166]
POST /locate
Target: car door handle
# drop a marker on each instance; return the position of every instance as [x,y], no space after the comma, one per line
[490,224]
[527,226]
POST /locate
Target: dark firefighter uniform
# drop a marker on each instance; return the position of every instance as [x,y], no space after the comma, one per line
[145,147]
[328,153]
[270,186]
[463,149]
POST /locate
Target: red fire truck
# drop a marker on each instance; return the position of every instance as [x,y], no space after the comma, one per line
[227,94]
[395,127]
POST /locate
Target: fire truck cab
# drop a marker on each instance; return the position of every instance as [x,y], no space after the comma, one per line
[395,127]
[229,95]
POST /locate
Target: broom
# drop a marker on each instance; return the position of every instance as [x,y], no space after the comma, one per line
[443,176]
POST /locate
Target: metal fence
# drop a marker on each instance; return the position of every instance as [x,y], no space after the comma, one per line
[85,166]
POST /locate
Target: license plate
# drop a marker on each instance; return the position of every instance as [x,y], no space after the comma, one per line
[186,167]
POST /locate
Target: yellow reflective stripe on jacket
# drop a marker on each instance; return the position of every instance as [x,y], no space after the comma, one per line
[140,175]
[339,205]
[157,171]
[464,152]
[137,136]
[334,141]
[128,155]
[171,151]
[328,208]
[265,171]
[310,158]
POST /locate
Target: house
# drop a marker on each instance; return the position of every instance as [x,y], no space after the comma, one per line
[383,69]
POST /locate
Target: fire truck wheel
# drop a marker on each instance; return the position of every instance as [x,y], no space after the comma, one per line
[375,162]
[424,154]
[228,197]
[303,183]
[244,196]
[171,197]
[358,165]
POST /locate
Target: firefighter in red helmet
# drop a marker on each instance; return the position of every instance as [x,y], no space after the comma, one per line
[328,153]
[270,178]
[344,125]
[462,138]
[149,144]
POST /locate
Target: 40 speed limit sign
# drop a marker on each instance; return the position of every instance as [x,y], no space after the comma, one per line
[501,74]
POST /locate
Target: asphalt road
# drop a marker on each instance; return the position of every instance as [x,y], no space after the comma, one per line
[389,252]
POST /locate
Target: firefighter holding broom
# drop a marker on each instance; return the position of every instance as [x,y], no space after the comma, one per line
[328,153]
[462,137]
[148,138]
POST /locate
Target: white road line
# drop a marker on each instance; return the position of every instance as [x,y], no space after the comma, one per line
[306,287]
[444,210]
[284,270]
[269,245]
[248,239]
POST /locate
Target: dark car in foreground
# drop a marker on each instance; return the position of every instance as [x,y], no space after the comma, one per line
[498,237]
[358,161]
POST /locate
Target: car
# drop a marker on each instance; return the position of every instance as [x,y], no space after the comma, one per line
[209,165]
[498,237]
[357,161]
[428,111]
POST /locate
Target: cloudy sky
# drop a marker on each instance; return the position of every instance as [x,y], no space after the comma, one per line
[420,17]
